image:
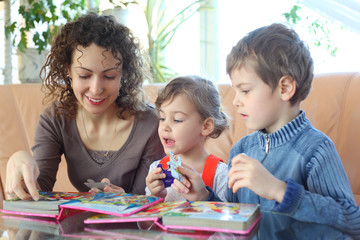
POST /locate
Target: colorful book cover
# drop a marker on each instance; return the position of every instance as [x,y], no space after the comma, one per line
[117,204]
[63,204]
[213,216]
[193,216]
[46,206]
[152,213]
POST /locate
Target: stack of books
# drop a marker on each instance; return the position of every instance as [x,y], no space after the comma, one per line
[63,204]
[124,207]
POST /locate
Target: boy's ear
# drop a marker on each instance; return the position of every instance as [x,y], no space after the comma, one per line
[287,87]
[208,127]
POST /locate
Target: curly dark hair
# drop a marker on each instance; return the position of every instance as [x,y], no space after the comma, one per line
[105,32]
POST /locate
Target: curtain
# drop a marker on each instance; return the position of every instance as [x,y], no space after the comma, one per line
[345,11]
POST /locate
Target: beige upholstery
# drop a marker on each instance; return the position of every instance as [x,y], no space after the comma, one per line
[333,107]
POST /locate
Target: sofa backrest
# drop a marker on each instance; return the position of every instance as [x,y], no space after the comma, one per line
[333,107]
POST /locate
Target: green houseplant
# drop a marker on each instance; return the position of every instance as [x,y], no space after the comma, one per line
[45,15]
[160,28]
[40,20]
[161,32]
[317,27]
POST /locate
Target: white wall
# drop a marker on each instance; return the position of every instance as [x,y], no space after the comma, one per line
[235,19]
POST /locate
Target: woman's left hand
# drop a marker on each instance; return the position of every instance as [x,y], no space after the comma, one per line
[109,187]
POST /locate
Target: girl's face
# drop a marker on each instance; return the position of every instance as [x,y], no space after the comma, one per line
[96,78]
[181,126]
[258,105]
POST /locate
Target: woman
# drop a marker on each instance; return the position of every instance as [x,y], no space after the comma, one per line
[98,118]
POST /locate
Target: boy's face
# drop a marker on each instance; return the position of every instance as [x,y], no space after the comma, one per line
[180,126]
[258,105]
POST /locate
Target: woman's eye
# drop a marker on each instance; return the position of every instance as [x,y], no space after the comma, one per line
[245,91]
[178,121]
[110,77]
[83,76]
[161,119]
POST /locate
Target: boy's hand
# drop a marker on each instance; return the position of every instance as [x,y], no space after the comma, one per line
[155,184]
[250,173]
[192,187]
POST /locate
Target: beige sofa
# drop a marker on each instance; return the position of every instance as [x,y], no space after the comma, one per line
[333,106]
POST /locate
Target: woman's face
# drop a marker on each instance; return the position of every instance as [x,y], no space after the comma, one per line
[96,78]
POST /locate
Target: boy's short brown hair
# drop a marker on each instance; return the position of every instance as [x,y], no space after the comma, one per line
[275,51]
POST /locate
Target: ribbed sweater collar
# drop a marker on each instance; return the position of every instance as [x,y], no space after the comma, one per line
[284,134]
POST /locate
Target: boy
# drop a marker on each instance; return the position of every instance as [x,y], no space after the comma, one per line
[287,165]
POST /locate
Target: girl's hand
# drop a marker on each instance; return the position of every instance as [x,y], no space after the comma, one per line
[192,187]
[21,177]
[155,184]
[250,173]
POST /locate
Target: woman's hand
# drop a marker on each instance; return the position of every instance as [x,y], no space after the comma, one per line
[21,177]
[109,187]
[155,184]
[193,187]
[250,173]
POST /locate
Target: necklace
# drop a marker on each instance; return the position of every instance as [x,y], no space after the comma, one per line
[105,153]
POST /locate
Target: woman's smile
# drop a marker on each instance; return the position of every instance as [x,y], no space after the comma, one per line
[94,101]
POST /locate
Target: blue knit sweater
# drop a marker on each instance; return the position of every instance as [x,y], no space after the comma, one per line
[318,189]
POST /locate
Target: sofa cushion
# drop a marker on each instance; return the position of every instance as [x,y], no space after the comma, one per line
[333,107]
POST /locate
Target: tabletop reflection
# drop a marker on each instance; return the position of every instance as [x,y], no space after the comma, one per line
[271,226]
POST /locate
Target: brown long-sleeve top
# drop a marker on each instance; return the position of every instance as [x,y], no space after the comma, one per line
[127,167]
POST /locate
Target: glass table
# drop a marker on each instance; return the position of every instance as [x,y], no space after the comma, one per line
[271,226]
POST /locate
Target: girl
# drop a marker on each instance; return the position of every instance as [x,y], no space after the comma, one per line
[190,111]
